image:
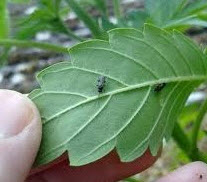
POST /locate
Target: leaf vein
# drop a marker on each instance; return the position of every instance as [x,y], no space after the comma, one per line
[161,55]
[127,123]
[94,72]
[198,52]
[128,57]
[155,124]
[149,83]
[80,129]
[60,93]
[169,113]
[103,74]
[179,52]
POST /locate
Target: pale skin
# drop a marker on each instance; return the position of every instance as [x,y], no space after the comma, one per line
[20,135]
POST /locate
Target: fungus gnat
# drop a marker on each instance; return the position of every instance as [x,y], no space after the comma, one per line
[159,87]
[101,83]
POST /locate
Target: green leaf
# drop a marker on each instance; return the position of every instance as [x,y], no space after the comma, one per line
[176,14]
[106,25]
[195,7]
[130,115]
[185,22]
[40,20]
[102,6]
[86,18]
[46,17]
[161,11]
[19,1]
[136,18]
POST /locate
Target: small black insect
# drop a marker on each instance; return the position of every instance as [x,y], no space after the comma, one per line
[159,87]
[101,83]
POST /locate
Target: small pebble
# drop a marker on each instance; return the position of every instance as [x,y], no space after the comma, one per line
[196,97]
[43,36]
[1,77]
[17,79]
[30,10]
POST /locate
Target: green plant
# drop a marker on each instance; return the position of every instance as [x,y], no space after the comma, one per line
[176,14]
[49,15]
[135,111]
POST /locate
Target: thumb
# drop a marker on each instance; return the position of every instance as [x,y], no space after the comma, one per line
[20,134]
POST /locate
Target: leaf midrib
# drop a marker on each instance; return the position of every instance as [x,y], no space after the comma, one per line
[126,89]
[111,138]
[156,121]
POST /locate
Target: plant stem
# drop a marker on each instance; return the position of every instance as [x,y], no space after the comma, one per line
[23,43]
[196,128]
[117,9]
[184,143]
[62,23]
[101,4]
[4,20]
[85,17]
[57,6]
[4,30]
[181,139]
[201,157]
[4,56]
[68,31]
[131,180]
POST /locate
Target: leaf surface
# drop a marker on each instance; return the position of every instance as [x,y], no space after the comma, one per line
[174,14]
[162,11]
[131,114]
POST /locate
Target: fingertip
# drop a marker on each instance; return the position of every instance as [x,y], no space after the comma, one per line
[193,172]
[20,131]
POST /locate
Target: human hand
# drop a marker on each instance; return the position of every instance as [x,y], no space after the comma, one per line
[20,134]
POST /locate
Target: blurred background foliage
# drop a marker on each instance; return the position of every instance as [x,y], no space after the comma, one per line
[50,15]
